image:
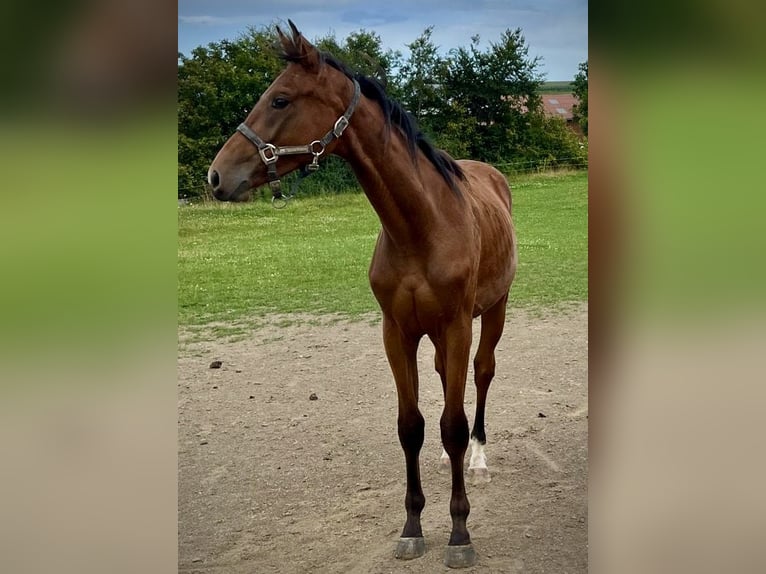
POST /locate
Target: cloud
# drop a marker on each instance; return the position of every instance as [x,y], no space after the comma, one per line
[209,20]
[372,17]
[557,30]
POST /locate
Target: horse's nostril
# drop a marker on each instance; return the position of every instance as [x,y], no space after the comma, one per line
[215,179]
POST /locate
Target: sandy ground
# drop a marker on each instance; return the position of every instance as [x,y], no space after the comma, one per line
[271,481]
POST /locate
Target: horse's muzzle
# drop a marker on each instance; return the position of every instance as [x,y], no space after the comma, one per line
[221,193]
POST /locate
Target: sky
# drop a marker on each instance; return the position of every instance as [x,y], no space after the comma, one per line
[555,30]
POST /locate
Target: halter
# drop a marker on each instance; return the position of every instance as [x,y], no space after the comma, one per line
[270,153]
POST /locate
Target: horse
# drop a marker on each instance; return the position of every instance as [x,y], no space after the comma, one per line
[446,252]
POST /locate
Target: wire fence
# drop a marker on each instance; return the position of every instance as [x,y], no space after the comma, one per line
[537,165]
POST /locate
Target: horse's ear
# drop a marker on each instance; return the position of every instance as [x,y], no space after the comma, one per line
[299,49]
[294,28]
[284,40]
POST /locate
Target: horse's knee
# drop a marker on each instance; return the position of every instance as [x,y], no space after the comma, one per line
[454,431]
[411,428]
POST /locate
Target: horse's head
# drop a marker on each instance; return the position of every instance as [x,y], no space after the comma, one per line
[299,117]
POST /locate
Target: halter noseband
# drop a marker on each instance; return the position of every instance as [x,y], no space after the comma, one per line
[270,153]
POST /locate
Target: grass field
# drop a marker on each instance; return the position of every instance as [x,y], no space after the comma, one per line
[237,262]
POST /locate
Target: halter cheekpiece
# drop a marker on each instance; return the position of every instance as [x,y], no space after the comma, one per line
[270,153]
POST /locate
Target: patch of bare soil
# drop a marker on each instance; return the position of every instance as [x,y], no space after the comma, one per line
[289,459]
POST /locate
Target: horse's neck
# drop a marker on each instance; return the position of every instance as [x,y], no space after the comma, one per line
[406,197]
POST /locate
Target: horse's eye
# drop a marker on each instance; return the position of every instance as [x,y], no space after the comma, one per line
[279,103]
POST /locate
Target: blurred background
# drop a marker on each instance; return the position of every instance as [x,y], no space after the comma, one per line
[676,256]
[87,288]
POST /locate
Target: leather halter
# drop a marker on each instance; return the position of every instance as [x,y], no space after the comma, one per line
[270,153]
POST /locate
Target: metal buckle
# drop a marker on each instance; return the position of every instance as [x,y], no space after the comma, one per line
[266,159]
[340,126]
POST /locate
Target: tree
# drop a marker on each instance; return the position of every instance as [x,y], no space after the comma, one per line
[580,89]
[420,79]
[363,52]
[497,89]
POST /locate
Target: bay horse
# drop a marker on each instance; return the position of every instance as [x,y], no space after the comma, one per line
[446,252]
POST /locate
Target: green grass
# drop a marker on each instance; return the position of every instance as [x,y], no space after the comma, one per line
[238,262]
[551,217]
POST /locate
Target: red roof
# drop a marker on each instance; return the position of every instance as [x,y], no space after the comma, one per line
[559,104]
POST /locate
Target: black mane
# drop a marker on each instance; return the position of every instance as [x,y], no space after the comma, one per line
[395,114]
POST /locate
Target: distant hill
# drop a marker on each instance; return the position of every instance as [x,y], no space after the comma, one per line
[555,87]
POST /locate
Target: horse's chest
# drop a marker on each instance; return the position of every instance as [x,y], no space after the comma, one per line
[412,297]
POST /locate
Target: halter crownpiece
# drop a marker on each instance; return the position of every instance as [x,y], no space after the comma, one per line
[270,153]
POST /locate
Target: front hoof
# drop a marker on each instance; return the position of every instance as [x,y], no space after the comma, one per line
[460,556]
[479,475]
[409,548]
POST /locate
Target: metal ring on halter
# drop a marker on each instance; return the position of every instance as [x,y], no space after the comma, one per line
[321,148]
[281,201]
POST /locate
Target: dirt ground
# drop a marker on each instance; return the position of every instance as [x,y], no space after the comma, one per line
[271,481]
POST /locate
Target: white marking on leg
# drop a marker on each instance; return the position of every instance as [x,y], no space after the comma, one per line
[477,467]
[478,458]
[444,463]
